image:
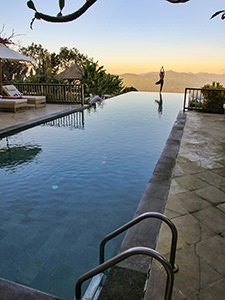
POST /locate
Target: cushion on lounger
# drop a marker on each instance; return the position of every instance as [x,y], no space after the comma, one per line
[11,90]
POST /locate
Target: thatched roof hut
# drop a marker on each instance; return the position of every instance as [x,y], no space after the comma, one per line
[73,73]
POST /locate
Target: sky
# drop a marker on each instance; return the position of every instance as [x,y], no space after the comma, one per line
[135,36]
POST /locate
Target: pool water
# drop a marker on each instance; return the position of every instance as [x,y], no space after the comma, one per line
[66,184]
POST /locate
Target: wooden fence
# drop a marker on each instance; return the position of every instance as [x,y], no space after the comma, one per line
[55,93]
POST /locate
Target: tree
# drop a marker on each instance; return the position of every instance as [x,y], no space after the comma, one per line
[214,97]
[76,14]
[46,64]
[69,57]
[13,71]
[98,82]
[6,40]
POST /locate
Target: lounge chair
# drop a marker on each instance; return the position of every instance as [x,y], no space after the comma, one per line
[11,90]
[12,104]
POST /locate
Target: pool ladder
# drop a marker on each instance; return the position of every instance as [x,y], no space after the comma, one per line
[95,286]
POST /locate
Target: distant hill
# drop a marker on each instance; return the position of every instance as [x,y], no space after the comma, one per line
[174,81]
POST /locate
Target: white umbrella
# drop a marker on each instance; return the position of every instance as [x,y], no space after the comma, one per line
[6,53]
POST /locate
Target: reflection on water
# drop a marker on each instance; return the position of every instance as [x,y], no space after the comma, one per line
[12,156]
[73,121]
[97,105]
[160,104]
[49,235]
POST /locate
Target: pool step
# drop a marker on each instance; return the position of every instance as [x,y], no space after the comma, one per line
[94,288]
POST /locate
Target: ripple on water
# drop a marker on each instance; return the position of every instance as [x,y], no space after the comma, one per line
[58,203]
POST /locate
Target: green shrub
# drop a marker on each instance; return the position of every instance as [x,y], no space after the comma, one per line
[195,103]
[129,89]
[213,99]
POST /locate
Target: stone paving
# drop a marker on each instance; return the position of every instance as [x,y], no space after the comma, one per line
[10,121]
[196,204]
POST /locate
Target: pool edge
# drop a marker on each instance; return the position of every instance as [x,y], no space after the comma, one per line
[146,233]
[29,124]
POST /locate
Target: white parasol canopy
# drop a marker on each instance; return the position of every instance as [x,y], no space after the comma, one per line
[6,53]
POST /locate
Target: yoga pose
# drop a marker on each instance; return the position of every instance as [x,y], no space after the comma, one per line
[161,76]
[160,103]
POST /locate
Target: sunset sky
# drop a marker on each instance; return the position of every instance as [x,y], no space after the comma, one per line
[129,36]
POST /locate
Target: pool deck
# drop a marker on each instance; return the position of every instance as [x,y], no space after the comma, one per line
[196,204]
[10,122]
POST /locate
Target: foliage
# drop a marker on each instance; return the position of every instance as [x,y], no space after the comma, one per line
[68,57]
[6,40]
[213,98]
[13,71]
[196,103]
[129,89]
[76,14]
[47,65]
[98,82]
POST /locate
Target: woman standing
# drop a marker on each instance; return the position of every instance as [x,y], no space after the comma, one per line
[161,80]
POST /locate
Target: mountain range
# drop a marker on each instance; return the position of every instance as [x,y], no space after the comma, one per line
[174,81]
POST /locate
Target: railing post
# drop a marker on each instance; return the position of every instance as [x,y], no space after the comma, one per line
[82,94]
[185,94]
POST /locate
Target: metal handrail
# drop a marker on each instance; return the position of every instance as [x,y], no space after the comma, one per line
[122,256]
[197,93]
[137,220]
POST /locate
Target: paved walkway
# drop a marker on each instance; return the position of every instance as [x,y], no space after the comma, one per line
[196,205]
[10,120]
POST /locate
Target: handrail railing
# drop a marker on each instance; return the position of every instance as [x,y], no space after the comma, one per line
[124,255]
[54,92]
[137,220]
[194,97]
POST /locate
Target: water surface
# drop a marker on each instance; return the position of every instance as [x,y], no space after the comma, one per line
[66,184]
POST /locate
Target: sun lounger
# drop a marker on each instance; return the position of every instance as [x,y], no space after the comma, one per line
[11,90]
[13,104]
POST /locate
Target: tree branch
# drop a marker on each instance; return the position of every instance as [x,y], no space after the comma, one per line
[59,18]
[69,17]
[177,1]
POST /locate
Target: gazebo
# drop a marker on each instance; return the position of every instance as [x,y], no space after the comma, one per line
[72,74]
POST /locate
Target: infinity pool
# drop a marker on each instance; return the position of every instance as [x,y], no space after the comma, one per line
[66,184]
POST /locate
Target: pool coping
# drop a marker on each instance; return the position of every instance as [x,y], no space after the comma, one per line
[119,285]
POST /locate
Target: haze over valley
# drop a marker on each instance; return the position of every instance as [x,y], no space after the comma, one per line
[174,81]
